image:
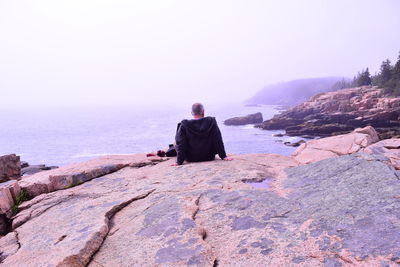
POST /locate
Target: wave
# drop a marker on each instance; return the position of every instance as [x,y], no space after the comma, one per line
[91,155]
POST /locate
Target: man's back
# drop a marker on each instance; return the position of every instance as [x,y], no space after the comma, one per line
[199,140]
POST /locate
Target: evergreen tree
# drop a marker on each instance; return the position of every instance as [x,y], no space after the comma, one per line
[388,78]
[386,73]
[375,79]
[392,87]
[363,78]
[367,77]
[396,69]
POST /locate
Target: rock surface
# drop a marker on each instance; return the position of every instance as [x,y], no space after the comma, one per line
[389,148]
[334,146]
[32,169]
[338,211]
[8,245]
[10,167]
[339,112]
[249,119]
[9,192]
[72,175]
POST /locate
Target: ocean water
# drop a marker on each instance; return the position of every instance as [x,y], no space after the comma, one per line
[66,135]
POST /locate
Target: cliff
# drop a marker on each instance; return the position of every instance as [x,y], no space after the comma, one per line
[259,210]
[292,92]
[341,112]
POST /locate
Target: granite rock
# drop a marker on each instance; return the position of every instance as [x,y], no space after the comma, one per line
[8,245]
[10,167]
[334,146]
[249,119]
[340,112]
[9,192]
[338,211]
[389,148]
[72,175]
[32,169]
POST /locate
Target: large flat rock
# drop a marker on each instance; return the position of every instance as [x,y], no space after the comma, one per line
[339,211]
[74,174]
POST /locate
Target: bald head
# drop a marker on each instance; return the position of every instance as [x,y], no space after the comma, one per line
[198,110]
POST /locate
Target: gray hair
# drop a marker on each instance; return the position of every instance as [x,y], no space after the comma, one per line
[197,109]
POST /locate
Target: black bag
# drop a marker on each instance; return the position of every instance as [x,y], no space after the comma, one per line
[171,152]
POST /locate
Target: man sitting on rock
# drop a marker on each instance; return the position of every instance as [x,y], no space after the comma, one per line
[199,139]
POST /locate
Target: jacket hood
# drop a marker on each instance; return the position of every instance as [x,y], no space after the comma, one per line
[200,126]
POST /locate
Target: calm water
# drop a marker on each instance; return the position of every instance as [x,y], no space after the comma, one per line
[63,136]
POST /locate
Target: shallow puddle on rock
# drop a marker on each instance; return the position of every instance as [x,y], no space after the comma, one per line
[264,184]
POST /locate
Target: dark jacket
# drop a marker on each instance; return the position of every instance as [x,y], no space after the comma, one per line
[199,140]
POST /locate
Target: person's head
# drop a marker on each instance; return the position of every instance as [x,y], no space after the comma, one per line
[197,110]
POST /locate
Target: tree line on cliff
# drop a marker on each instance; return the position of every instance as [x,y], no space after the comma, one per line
[297,91]
[388,78]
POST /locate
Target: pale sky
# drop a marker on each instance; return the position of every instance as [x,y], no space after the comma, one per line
[94,52]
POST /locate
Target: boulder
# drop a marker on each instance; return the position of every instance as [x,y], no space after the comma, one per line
[249,119]
[389,148]
[334,146]
[72,175]
[208,214]
[10,167]
[9,192]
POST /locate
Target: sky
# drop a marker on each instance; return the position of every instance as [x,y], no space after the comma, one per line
[117,53]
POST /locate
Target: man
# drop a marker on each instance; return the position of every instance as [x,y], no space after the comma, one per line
[199,139]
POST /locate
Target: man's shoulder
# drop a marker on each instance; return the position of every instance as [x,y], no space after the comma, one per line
[189,123]
[210,119]
[183,122]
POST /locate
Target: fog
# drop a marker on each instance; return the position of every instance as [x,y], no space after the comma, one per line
[117,53]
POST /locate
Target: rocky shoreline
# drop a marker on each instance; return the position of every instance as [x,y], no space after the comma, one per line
[334,202]
[340,112]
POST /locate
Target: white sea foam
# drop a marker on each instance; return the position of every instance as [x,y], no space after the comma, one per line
[91,155]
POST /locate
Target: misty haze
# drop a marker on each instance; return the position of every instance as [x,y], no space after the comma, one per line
[211,133]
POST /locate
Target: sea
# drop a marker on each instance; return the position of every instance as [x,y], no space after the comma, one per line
[61,136]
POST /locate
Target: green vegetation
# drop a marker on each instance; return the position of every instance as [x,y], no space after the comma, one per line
[297,91]
[363,78]
[22,196]
[388,78]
